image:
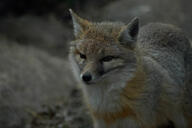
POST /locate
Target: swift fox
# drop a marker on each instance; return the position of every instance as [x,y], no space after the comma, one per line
[132,77]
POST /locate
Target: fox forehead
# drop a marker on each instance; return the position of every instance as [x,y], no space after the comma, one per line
[103,31]
[100,37]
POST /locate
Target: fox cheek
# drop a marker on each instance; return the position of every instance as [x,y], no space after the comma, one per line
[114,64]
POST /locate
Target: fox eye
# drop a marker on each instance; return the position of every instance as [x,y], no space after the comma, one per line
[82,56]
[107,58]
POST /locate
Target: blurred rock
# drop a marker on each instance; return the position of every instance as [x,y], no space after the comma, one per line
[43,32]
[148,10]
[29,78]
[175,12]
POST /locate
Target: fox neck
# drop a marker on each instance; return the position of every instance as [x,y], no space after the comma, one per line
[105,102]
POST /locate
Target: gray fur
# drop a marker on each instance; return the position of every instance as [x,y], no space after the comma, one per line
[170,50]
[167,45]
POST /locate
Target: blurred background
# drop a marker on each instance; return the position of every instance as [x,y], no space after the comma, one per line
[37,89]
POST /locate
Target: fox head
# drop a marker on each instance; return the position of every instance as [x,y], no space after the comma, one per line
[103,52]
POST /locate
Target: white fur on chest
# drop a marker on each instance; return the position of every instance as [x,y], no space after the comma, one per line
[106,95]
[105,98]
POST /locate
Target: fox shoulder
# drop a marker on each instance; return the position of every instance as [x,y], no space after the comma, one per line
[163,35]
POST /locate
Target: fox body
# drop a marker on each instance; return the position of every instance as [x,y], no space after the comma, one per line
[131,77]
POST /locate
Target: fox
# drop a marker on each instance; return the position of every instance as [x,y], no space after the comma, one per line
[132,76]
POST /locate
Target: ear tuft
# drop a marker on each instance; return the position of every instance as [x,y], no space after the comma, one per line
[79,24]
[133,27]
[128,35]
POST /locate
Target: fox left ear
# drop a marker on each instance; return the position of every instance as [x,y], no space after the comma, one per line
[128,35]
[79,24]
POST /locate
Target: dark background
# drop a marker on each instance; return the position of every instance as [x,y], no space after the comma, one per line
[37,89]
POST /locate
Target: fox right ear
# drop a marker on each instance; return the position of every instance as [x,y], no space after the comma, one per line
[79,24]
[128,35]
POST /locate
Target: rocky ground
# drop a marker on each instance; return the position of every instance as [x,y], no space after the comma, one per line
[69,114]
[37,88]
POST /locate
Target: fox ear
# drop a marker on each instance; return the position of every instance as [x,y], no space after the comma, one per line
[79,24]
[128,35]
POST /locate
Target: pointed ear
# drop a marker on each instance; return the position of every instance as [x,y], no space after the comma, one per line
[128,34]
[79,24]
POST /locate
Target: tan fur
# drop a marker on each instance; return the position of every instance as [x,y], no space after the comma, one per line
[135,86]
[111,117]
[99,34]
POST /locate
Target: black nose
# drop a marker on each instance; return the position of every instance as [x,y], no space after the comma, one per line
[86,77]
